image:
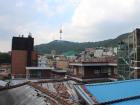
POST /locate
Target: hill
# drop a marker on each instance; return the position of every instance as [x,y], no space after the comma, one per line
[66,46]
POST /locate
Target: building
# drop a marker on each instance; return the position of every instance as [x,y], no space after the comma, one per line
[5,71]
[58,61]
[5,68]
[38,72]
[129,56]
[97,69]
[22,55]
[48,67]
[58,73]
[42,61]
[111,93]
[62,64]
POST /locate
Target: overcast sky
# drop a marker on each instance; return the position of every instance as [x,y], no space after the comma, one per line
[80,20]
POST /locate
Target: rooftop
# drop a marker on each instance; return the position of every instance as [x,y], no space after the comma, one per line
[116,93]
[39,68]
[112,61]
[39,92]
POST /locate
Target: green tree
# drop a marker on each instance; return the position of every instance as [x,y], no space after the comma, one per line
[5,58]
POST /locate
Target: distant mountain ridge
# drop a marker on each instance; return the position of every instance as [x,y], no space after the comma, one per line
[61,46]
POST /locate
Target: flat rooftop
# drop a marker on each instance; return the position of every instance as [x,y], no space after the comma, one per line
[39,68]
[93,64]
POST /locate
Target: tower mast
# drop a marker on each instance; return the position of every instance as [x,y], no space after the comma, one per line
[60,33]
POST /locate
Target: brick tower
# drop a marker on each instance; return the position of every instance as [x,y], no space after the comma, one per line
[23,55]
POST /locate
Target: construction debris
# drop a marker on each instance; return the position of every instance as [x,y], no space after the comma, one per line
[40,93]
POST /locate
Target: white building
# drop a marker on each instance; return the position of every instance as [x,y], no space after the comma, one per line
[98,52]
[42,61]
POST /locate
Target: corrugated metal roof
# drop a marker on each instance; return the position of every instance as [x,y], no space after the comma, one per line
[111,91]
[84,95]
[64,89]
[39,93]
[23,95]
[2,83]
[130,102]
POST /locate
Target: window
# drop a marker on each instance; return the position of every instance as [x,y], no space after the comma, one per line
[96,71]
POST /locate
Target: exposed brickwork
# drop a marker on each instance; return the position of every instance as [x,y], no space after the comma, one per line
[19,62]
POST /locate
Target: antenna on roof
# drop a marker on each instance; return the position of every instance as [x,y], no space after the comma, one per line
[30,34]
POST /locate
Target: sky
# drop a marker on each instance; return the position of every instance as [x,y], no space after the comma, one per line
[80,20]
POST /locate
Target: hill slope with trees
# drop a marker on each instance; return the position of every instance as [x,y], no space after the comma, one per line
[61,46]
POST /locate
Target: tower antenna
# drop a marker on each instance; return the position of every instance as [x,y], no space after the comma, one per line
[61,33]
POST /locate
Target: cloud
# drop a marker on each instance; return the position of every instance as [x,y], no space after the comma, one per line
[20,4]
[50,8]
[5,46]
[81,20]
[93,12]
[95,20]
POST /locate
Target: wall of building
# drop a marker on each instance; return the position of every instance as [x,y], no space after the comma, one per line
[34,58]
[19,62]
[95,72]
[62,64]
[78,71]
[39,74]
[89,72]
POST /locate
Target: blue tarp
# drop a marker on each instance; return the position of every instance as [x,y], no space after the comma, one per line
[116,90]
